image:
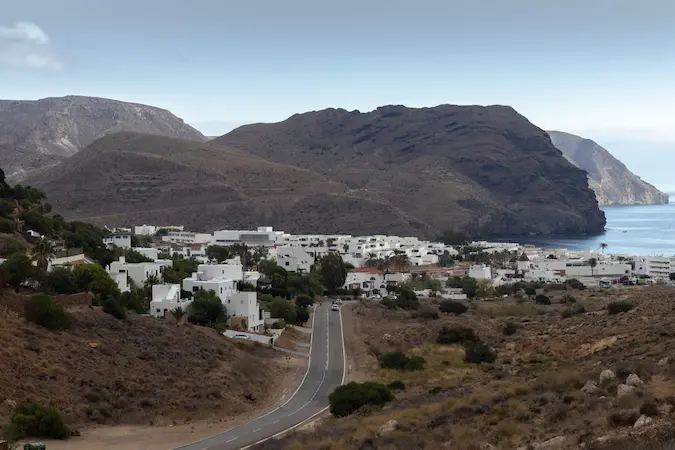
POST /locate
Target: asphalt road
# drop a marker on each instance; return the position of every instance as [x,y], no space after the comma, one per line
[325,372]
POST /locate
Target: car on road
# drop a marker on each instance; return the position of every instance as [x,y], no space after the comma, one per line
[240,336]
[335,307]
[338,301]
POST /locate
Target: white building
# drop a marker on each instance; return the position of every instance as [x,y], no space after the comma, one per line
[372,282]
[187,238]
[294,259]
[166,298]
[149,252]
[145,230]
[121,240]
[655,266]
[136,272]
[480,272]
[262,237]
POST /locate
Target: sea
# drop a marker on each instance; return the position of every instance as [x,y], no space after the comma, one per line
[634,229]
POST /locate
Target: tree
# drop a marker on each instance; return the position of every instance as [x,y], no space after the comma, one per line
[41,310]
[452,307]
[399,261]
[178,313]
[61,280]
[593,263]
[283,309]
[206,309]
[219,253]
[135,300]
[484,289]
[446,259]
[333,271]
[603,246]
[43,252]
[151,281]
[94,278]
[16,270]
[406,298]
[301,316]
[347,399]
[304,300]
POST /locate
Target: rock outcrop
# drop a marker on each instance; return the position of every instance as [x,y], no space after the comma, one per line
[35,135]
[609,178]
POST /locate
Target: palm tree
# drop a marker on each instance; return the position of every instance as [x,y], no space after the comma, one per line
[151,281]
[43,252]
[178,313]
[592,262]
[603,247]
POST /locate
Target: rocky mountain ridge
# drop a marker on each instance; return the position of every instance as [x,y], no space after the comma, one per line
[38,134]
[609,178]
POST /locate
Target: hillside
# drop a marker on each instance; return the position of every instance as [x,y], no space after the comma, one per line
[482,170]
[132,178]
[35,135]
[609,178]
[136,371]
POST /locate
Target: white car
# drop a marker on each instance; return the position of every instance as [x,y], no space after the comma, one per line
[240,336]
[335,307]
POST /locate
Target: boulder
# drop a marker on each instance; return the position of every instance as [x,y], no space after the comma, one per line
[663,362]
[642,421]
[606,375]
[590,388]
[623,390]
[665,409]
[388,427]
[634,380]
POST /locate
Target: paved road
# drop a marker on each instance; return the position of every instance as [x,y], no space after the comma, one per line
[325,372]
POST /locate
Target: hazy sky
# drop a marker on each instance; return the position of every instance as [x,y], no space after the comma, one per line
[600,67]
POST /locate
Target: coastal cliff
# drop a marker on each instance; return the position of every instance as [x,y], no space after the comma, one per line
[609,178]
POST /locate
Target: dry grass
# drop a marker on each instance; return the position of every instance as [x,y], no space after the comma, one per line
[138,371]
[531,393]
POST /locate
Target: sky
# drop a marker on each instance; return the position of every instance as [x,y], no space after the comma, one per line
[602,69]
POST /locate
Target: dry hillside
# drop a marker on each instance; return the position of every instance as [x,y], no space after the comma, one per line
[537,390]
[137,371]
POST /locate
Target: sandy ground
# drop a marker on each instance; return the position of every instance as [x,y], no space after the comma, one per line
[165,438]
[357,351]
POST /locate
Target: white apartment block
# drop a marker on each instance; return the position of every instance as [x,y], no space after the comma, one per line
[187,238]
[136,272]
[145,230]
[294,259]
[149,252]
[480,272]
[262,237]
[166,298]
[121,240]
[659,267]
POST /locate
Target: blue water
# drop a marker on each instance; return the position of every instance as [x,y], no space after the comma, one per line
[638,230]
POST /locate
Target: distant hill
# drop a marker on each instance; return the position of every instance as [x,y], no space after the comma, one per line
[35,135]
[609,178]
[483,170]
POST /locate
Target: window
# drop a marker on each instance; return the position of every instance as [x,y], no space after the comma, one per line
[288,263]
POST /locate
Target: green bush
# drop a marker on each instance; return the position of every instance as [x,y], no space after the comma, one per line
[428,312]
[576,310]
[397,385]
[113,306]
[453,307]
[41,310]
[542,299]
[279,324]
[406,298]
[510,328]
[619,307]
[347,399]
[7,225]
[479,352]
[303,301]
[35,421]
[388,303]
[575,284]
[399,361]
[457,335]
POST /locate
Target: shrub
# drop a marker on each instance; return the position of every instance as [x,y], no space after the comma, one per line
[279,324]
[303,301]
[399,361]
[428,312]
[396,385]
[35,421]
[478,353]
[7,225]
[619,307]
[575,284]
[453,307]
[510,328]
[568,298]
[388,303]
[41,310]
[347,399]
[111,305]
[406,298]
[457,335]
[576,310]
[542,299]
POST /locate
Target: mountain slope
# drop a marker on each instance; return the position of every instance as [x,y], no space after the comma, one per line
[483,170]
[127,178]
[35,135]
[609,178]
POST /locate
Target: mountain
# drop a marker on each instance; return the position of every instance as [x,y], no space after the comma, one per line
[609,178]
[35,135]
[482,170]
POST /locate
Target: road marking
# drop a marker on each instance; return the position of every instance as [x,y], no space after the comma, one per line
[257,429]
[233,439]
[276,421]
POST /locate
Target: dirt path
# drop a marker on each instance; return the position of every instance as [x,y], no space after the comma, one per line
[129,437]
[358,356]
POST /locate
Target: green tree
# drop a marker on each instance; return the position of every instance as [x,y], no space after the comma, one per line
[112,305]
[283,309]
[35,421]
[347,399]
[12,245]
[219,253]
[178,313]
[593,263]
[603,246]
[61,280]
[304,300]
[333,272]
[301,316]
[17,270]
[43,311]
[453,307]
[135,300]
[94,278]
[43,253]
[406,298]
[207,309]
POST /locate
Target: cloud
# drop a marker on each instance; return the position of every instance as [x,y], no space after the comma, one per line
[26,45]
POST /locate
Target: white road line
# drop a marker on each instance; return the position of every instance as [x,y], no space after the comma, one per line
[233,439]
[257,429]
[276,421]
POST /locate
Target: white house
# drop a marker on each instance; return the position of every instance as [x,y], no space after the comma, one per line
[165,298]
[480,272]
[655,266]
[149,252]
[263,236]
[294,259]
[145,230]
[187,238]
[137,272]
[121,240]
[372,282]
